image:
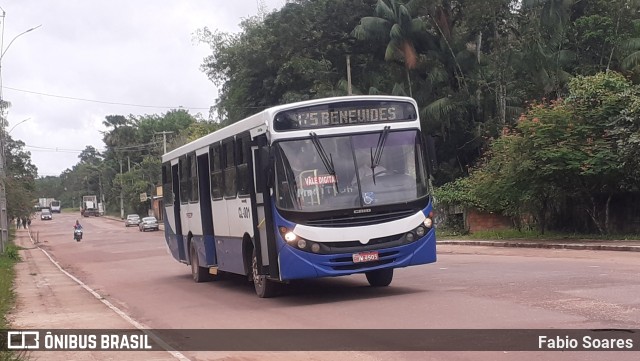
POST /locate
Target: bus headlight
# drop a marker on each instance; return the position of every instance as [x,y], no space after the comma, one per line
[409,237]
[418,232]
[428,222]
[298,242]
[290,237]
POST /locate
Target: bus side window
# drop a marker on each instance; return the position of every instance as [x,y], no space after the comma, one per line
[242,160]
[183,166]
[167,187]
[194,192]
[229,169]
[215,164]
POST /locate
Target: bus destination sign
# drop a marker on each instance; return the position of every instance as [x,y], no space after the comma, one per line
[345,113]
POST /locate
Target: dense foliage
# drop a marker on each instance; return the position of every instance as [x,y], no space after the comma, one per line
[536,98]
[583,148]
[471,65]
[19,180]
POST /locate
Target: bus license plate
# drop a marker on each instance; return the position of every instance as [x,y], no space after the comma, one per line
[365,257]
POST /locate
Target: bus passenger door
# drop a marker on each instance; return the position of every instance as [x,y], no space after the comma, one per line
[263,224]
[176,213]
[206,215]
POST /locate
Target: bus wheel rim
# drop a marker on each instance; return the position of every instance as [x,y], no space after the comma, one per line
[257,280]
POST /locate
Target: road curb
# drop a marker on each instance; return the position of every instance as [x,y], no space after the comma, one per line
[111,307]
[593,247]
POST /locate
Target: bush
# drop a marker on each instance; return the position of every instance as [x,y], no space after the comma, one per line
[11,252]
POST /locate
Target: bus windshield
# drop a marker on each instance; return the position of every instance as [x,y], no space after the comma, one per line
[350,171]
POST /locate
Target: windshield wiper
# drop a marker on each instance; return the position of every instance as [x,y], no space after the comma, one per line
[327,161]
[377,157]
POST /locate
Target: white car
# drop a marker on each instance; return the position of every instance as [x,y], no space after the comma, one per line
[148,224]
[46,215]
[132,220]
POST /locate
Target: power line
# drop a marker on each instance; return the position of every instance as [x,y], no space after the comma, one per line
[52,150]
[136,146]
[258,107]
[56,149]
[103,101]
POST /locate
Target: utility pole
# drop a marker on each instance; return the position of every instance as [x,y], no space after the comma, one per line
[4,217]
[104,204]
[121,193]
[164,137]
[349,75]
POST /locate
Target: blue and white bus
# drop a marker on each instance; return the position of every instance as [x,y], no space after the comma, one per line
[319,188]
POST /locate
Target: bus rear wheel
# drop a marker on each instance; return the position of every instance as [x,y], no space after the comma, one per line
[380,277]
[265,288]
[199,274]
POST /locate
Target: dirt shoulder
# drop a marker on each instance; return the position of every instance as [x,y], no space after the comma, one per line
[49,299]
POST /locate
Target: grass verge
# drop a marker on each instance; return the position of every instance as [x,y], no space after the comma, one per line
[7,296]
[532,235]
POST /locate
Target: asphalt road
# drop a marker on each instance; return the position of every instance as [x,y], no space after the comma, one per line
[468,288]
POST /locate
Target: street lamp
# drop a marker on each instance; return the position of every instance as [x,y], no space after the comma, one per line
[18,123]
[15,37]
[4,221]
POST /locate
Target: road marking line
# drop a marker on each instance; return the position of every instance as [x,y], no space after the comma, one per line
[176,354]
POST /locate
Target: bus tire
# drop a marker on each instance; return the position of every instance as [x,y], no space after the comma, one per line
[265,288]
[380,277]
[199,274]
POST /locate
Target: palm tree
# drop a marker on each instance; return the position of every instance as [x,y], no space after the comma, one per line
[395,24]
[631,47]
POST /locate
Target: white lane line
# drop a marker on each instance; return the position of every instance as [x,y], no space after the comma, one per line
[176,354]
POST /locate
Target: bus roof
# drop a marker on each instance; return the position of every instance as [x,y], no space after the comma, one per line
[264,118]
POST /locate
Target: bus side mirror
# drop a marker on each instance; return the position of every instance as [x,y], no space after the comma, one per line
[432,161]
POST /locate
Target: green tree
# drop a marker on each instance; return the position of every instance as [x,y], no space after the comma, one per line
[575,148]
[20,178]
[90,155]
[296,53]
[395,25]
[596,102]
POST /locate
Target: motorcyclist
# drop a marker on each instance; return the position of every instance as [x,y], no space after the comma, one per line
[77,227]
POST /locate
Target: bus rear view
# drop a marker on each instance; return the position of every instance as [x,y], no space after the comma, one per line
[55,207]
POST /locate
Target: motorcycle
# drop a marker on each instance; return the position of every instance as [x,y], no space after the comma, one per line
[77,234]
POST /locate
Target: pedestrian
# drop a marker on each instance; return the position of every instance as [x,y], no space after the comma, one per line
[29,222]
[24,223]
[18,222]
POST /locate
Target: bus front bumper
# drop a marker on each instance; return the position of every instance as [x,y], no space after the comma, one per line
[296,264]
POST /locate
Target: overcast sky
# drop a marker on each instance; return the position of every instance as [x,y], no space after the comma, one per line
[137,52]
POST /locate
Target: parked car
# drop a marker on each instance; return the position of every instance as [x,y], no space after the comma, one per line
[46,215]
[148,224]
[132,220]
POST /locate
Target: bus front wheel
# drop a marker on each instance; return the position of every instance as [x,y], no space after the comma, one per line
[380,277]
[199,274]
[265,288]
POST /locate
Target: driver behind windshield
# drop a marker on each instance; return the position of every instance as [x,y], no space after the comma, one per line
[363,158]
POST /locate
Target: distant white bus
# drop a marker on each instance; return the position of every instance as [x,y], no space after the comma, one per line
[55,206]
[321,188]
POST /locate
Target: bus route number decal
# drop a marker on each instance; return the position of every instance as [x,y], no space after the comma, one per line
[244,212]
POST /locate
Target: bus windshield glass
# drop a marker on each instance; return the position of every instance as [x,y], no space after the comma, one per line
[350,171]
